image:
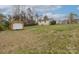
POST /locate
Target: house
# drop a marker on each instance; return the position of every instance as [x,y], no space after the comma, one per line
[43,22]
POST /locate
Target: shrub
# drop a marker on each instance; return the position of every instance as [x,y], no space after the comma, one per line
[53,22]
[30,23]
[4,25]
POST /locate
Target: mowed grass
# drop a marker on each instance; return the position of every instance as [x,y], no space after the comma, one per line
[57,39]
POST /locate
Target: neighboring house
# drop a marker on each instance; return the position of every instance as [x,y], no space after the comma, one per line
[77,20]
[58,21]
[65,22]
[42,22]
[69,22]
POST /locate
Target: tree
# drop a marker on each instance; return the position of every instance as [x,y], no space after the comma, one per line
[3,23]
[46,18]
[30,14]
[18,12]
[71,18]
[53,22]
[30,17]
[36,17]
[2,16]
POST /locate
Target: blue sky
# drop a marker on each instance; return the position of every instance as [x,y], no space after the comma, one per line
[67,9]
[49,10]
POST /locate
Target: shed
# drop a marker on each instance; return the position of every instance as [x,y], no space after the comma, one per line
[16,25]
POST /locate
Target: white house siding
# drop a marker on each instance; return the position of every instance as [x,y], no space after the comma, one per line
[44,23]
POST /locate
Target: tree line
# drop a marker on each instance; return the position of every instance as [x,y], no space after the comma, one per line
[30,17]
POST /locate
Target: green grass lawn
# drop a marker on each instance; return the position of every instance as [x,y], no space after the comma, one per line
[41,39]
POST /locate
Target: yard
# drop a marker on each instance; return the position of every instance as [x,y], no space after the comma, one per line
[41,39]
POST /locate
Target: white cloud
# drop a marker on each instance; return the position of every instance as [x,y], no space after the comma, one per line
[59,16]
[5,9]
[50,15]
[56,16]
[43,9]
[46,8]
